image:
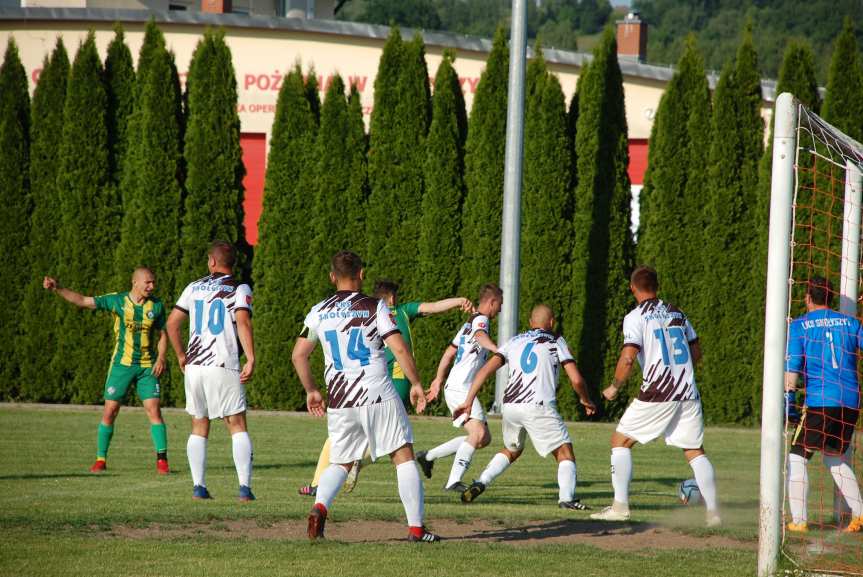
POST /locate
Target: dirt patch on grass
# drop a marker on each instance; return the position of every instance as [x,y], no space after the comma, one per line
[597,534]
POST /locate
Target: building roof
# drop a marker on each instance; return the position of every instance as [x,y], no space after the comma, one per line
[629,68]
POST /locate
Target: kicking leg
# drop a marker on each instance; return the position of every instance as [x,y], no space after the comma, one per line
[702,468]
[477,438]
[495,468]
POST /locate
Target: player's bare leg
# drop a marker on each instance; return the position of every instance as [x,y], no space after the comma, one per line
[104,434]
[242,449]
[495,468]
[196,449]
[478,436]
[702,469]
[159,434]
[621,475]
[567,478]
[412,494]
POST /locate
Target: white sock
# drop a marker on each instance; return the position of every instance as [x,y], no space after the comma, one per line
[566,481]
[460,465]
[411,492]
[706,479]
[621,473]
[798,487]
[844,477]
[196,449]
[242,445]
[329,485]
[495,468]
[446,449]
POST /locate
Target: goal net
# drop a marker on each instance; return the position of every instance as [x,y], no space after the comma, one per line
[821,463]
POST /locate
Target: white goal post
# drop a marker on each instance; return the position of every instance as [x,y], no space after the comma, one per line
[784,177]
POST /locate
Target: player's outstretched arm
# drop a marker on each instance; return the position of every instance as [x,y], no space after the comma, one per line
[77,299]
[488,369]
[161,351]
[303,349]
[624,368]
[444,305]
[485,341]
[580,387]
[247,340]
[397,345]
[442,370]
[173,326]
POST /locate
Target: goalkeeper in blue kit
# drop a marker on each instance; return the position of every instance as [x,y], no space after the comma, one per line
[823,346]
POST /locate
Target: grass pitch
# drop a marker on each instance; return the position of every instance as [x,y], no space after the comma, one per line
[58,519]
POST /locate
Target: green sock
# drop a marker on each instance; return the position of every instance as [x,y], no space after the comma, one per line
[103,440]
[160,437]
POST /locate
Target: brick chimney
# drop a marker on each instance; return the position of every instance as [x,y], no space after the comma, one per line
[631,38]
[216,6]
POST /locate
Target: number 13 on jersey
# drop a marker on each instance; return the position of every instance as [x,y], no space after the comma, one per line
[679,347]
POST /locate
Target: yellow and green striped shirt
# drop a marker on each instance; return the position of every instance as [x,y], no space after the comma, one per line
[136,328]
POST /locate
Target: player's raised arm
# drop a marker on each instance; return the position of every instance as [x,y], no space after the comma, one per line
[77,299]
[397,345]
[444,305]
[488,369]
[300,356]
[244,333]
[621,373]
[442,370]
[173,326]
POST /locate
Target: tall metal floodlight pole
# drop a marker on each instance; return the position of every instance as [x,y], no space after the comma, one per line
[510,236]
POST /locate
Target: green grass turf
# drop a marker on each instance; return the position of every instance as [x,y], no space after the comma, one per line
[56,518]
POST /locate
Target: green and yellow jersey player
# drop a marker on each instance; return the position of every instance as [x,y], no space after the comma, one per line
[403,314]
[140,344]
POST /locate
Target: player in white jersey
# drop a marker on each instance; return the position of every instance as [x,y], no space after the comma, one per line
[530,404]
[219,309]
[364,408]
[467,352]
[668,405]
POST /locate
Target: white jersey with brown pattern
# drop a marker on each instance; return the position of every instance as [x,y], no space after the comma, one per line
[352,327]
[662,334]
[534,358]
[212,303]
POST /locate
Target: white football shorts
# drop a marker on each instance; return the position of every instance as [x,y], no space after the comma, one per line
[213,392]
[680,422]
[382,427]
[542,423]
[454,398]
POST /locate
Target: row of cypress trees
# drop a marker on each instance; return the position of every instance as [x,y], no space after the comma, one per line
[705,204]
[124,170]
[146,173]
[425,210]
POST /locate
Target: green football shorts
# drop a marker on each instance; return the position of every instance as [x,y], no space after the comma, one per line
[120,377]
